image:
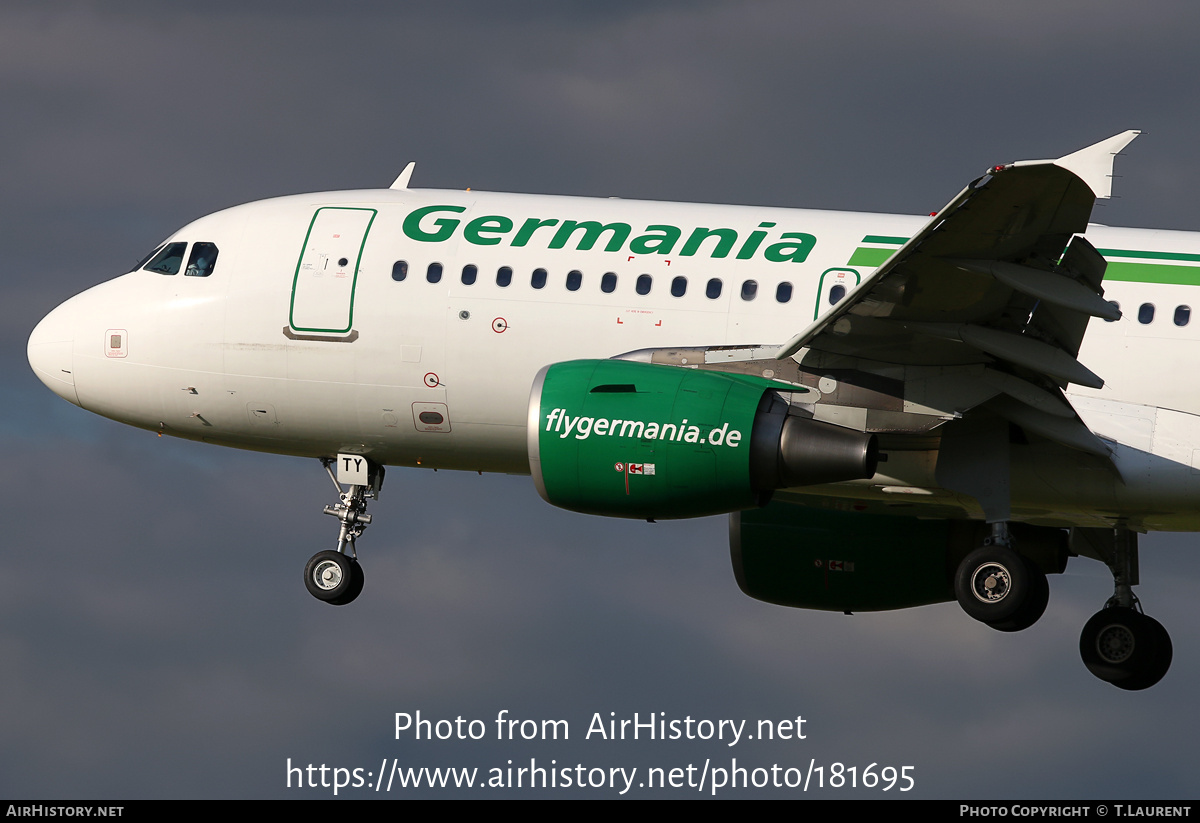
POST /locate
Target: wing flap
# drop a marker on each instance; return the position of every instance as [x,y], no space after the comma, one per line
[1044,285]
[1069,432]
[1017,350]
[1023,214]
[998,278]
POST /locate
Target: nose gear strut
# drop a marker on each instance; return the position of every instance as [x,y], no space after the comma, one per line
[335,576]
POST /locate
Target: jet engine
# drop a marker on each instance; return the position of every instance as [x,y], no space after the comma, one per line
[628,439]
[840,559]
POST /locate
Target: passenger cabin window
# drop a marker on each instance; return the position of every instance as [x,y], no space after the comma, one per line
[538,281]
[713,290]
[679,287]
[749,289]
[503,276]
[574,280]
[783,292]
[202,260]
[608,283]
[399,270]
[168,260]
[1146,313]
[836,294]
[434,273]
[1182,315]
[644,282]
[469,273]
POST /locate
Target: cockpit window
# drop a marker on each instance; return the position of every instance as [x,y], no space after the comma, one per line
[146,259]
[202,261]
[168,260]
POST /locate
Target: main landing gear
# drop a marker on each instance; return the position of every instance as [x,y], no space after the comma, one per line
[1008,591]
[1120,644]
[999,587]
[335,576]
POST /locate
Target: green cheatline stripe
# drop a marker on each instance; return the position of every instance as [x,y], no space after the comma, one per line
[1153,273]
[870,257]
[1117,270]
[1151,255]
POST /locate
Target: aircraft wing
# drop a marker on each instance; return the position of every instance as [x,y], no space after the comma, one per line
[998,280]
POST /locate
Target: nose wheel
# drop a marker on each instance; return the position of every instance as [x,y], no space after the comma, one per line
[335,576]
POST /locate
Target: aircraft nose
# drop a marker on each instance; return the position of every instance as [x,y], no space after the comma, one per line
[50,353]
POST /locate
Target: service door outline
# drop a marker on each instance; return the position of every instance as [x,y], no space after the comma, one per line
[323,288]
[848,279]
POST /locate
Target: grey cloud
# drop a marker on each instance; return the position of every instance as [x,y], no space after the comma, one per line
[156,637]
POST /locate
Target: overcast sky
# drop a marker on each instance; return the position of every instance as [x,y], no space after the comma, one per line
[156,637]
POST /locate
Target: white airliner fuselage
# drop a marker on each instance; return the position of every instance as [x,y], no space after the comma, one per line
[207,358]
[408,326]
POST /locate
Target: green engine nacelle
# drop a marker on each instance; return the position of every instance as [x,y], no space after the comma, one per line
[812,558]
[629,439]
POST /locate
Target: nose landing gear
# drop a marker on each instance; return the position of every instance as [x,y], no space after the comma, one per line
[335,576]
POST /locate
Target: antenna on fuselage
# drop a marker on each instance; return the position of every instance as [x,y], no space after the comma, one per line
[401,182]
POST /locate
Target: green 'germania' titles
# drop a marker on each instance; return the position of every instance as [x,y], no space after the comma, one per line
[435,224]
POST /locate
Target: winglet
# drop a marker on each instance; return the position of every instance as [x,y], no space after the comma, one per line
[401,182]
[1094,165]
